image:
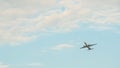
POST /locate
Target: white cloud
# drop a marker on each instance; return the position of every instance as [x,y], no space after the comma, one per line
[101,28]
[36,64]
[3,65]
[62,46]
[25,20]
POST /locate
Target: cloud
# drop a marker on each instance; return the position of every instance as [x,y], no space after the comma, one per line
[3,65]
[95,11]
[31,64]
[100,28]
[23,21]
[35,64]
[62,46]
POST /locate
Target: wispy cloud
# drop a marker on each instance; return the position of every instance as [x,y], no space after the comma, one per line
[20,23]
[100,28]
[62,46]
[2,65]
[35,64]
[32,64]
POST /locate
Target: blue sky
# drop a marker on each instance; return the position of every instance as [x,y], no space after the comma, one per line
[49,34]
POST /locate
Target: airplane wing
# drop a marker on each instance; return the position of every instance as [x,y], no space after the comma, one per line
[83,47]
[91,44]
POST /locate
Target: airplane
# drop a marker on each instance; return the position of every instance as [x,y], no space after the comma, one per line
[87,46]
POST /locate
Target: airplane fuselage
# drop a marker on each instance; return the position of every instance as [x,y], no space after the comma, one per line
[87,46]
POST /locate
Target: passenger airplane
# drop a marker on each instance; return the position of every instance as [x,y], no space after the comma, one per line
[87,46]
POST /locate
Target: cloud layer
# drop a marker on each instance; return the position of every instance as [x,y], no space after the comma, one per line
[25,20]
